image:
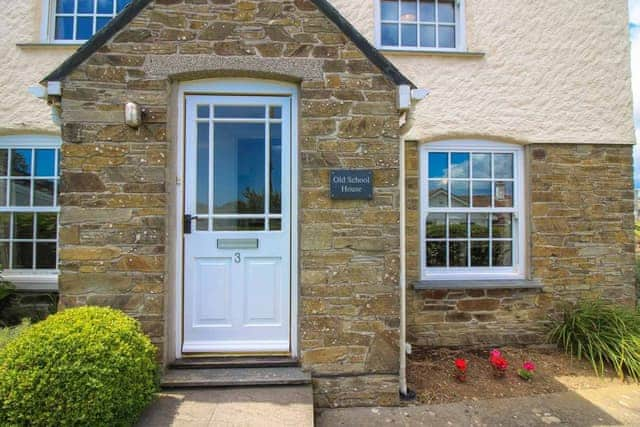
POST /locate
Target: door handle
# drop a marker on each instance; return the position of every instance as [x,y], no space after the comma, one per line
[186,222]
[236,258]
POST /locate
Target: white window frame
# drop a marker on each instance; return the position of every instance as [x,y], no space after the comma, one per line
[34,280]
[461,43]
[48,23]
[517,271]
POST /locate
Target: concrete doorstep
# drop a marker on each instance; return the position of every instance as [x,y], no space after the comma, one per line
[277,406]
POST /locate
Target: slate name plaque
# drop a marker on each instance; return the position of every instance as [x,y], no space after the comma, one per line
[352,184]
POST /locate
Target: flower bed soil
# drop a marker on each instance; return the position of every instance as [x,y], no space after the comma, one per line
[431,374]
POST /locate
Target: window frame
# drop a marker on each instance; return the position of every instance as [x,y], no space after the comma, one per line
[515,272]
[34,279]
[48,24]
[460,34]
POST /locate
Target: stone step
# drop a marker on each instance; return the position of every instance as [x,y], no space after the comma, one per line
[233,362]
[234,377]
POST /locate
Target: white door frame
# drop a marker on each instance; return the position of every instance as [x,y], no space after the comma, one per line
[234,86]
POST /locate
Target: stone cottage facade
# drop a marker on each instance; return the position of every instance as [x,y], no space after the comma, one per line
[513,193]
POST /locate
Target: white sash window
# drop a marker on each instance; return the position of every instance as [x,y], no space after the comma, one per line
[72,21]
[29,171]
[472,223]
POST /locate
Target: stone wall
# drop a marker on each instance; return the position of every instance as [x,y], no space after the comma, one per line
[581,245]
[116,181]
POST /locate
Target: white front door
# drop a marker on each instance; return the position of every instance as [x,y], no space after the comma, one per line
[237,255]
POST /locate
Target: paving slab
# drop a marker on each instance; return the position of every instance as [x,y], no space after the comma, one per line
[609,406]
[279,406]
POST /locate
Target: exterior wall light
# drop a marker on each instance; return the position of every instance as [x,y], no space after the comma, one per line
[132,115]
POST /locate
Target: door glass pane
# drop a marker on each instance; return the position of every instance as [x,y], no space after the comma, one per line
[275,224]
[238,112]
[436,226]
[275,112]
[275,169]
[239,164]
[389,10]
[202,169]
[21,162]
[202,224]
[238,224]
[203,111]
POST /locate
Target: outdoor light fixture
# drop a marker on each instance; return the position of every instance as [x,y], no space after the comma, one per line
[132,115]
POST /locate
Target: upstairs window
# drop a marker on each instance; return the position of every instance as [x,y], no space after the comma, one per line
[78,20]
[472,211]
[420,25]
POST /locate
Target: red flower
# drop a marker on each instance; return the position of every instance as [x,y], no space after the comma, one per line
[529,366]
[461,364]
[499,362]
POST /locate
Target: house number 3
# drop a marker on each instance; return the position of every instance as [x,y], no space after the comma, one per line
[236,257]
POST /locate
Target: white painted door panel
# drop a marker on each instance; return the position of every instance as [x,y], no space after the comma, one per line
[237,257]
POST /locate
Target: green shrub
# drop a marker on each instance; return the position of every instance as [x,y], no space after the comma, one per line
[602,334]
[9,333]
[85,366]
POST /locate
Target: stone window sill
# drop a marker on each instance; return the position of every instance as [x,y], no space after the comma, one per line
[38,45]
[431,52]
[476,284]
[32,282]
